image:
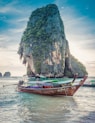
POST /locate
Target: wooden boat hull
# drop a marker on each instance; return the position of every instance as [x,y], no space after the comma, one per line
[65,90]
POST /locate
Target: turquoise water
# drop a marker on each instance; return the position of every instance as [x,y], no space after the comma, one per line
[18,107]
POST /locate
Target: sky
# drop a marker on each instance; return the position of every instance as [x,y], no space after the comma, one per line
[79,22]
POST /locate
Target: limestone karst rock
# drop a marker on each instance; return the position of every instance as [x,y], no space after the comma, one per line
[44,47]
[0,74]
[7,74]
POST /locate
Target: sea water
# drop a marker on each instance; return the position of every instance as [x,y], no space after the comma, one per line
[17,107]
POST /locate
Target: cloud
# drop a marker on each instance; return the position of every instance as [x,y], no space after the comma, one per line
[5,9]
[10,7]
[16,30]
[79,30]
[3,37]
[91,68]
[3,18]
[9,61]
[91,63]
[90,44]
[16,7]
[22,20]
[13,14]
[11,39]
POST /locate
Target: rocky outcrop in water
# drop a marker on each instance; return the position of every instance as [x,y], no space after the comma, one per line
[44,47]
[7,74]
[0,74]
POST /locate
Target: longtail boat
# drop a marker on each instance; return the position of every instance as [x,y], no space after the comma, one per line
[51,89]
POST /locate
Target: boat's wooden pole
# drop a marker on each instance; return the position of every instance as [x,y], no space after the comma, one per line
[75,76]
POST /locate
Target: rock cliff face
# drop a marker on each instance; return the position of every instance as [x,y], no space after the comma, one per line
[44,47]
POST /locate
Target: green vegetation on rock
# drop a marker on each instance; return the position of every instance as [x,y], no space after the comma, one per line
[45,45]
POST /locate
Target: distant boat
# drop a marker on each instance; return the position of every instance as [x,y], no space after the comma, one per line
[90,83]
[49,88]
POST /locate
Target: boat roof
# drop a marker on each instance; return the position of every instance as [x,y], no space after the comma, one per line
[51,81]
